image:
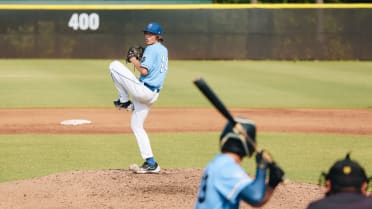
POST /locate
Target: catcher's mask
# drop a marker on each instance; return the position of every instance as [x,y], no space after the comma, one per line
[154,28]
[343,174]
[230,141]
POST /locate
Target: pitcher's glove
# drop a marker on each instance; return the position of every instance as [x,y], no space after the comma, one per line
[136,52]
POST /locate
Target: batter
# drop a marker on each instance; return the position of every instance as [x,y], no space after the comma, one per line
[225,183]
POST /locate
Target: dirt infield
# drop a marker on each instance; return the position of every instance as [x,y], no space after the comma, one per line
[338,121]
[173,188]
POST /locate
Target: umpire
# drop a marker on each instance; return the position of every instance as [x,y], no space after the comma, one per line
[347,185]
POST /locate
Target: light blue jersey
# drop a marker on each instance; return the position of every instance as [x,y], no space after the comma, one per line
[222,181]
[155,60]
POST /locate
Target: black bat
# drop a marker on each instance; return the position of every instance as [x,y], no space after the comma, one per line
[212,97]
[238,128]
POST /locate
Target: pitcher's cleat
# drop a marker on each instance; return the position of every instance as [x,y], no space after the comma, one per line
[147,168]
[126,105]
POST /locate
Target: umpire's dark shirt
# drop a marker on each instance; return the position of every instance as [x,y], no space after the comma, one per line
[344,200]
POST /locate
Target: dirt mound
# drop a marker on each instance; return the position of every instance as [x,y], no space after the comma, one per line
[122,189]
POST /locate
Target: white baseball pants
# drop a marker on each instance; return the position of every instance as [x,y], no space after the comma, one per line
[142,97]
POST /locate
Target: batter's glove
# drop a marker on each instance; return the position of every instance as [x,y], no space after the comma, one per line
[276,175]
[136,52]
[263,159]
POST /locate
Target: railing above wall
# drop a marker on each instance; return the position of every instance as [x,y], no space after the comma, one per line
[138,5]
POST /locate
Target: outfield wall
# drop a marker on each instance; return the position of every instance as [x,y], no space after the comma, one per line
[301,32]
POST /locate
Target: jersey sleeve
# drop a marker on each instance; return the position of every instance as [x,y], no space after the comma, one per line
[254,192]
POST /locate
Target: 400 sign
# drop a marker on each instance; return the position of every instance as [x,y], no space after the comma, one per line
[84,21]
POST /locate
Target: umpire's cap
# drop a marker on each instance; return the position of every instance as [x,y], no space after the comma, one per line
[346,173]
[230,141]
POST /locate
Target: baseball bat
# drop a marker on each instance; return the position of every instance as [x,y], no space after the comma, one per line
[213,98]
[238,128]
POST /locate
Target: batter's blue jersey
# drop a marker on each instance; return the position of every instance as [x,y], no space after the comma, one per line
[155,60]
[222,181]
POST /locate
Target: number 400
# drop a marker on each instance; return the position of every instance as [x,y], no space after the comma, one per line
[84,21]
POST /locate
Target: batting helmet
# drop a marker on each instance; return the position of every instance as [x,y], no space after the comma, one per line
[230,141]
[153,28]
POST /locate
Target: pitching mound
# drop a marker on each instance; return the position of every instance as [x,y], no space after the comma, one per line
[114,189]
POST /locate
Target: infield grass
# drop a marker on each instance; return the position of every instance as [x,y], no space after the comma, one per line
[302,156]
[39,83]
[255,84]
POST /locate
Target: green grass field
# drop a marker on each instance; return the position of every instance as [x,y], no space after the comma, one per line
[248,84]
[302,156]
[257,84]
